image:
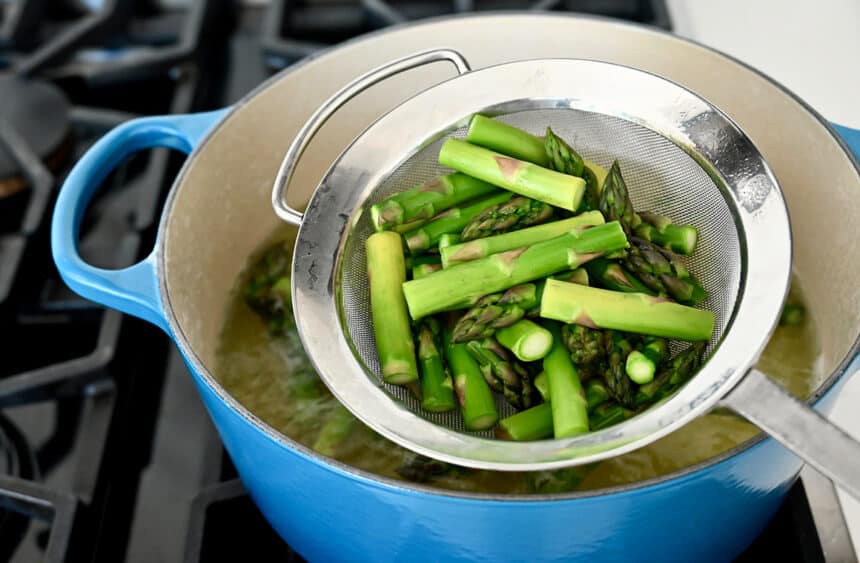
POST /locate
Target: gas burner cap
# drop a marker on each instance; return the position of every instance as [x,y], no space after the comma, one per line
[39,112]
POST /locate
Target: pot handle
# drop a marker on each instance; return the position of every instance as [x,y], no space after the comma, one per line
[133,290]
[325,111]
[798,427]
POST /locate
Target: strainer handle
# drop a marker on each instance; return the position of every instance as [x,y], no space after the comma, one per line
[320,116]
[798,427]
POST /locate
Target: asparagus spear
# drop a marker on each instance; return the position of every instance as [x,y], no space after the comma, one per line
[338,426]
[661,230]
[642,364]
[506,139]
[448,239]
[569,409]
[542,385]
[408,210]
[585,344]
[596,394]
[561,156]
[630,312]
[674,374]
[437,389]
[472,280]
[450,221]
[518,176]
[619,386]
[386,270]
[501,372]
[528,341]
[662,272]
[593,185]
[608,414]
[474,249]
[477,404]
[612,275]
[515,214]
[267,291]
[531,424]
[424,270]
[615,201]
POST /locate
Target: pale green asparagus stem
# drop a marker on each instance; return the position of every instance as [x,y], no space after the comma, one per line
[437,389]
[528,341]
[531,424]
[477,403]
[569,408]
[386,270]
[337,428]
[449,221]
[506,139]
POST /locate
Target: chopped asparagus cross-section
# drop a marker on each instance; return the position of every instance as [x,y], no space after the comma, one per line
[528,341]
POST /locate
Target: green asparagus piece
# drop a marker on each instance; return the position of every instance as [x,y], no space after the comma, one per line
[515,214]
[448,239]
[630,312]
[502,373]
[792,314]
[424,270]
[615,201]
[619,386]
[337,428]
[542,385]
[569,409]
[386,270]
[561,156]
[662,272]
[267,291]
[579,275]
[506,139]
[450,221]
[672,375]
[586,345]
[437,389]
[642,364]
[608,414]
[518,176]
[662,231]
[531,424]
[408,210]
[528,341]
[483,247]
[611,275]
[496,311]
[498,272]
[596,394]
[593,184]
[477,404]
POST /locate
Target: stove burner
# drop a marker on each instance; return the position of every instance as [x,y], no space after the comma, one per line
[16,460]
[38,111]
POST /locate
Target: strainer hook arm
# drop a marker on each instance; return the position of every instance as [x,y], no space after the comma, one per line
[325,111]
[799,428]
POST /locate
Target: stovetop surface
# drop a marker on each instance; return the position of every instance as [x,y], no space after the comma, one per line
[106,453]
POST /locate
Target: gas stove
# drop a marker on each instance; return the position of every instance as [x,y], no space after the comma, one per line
[106,453]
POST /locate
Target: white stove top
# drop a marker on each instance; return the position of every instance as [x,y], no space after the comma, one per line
[812,48]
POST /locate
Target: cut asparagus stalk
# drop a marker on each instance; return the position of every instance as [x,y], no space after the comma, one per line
[515,214]
[477,404]
[450,221]
[506,139]
[386,270]
[496,311]
[663,272]
[528,341]
[424,270]
[579,275]
[483,247]
[448,239]
[531,424]
[629,312]
[518,176]
[437,389]
[595,394]
[498,272]
[660,230]
[337,428]
[612,275]
[674,374]
[542,385]
[408,210]
[608,414]
[618,347]
[642,364]
[569,409]
[561,156]
[502,373]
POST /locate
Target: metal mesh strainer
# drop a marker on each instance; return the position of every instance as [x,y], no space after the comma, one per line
[680,156]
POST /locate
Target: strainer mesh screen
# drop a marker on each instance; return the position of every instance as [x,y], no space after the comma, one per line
[660,176]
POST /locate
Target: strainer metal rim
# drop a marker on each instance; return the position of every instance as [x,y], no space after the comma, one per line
[653,102]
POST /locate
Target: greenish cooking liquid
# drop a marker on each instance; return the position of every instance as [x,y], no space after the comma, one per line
[272,378]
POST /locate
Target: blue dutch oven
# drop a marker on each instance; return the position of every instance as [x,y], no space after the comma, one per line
[219,211]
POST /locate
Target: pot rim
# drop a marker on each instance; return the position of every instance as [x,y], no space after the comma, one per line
[380,481]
